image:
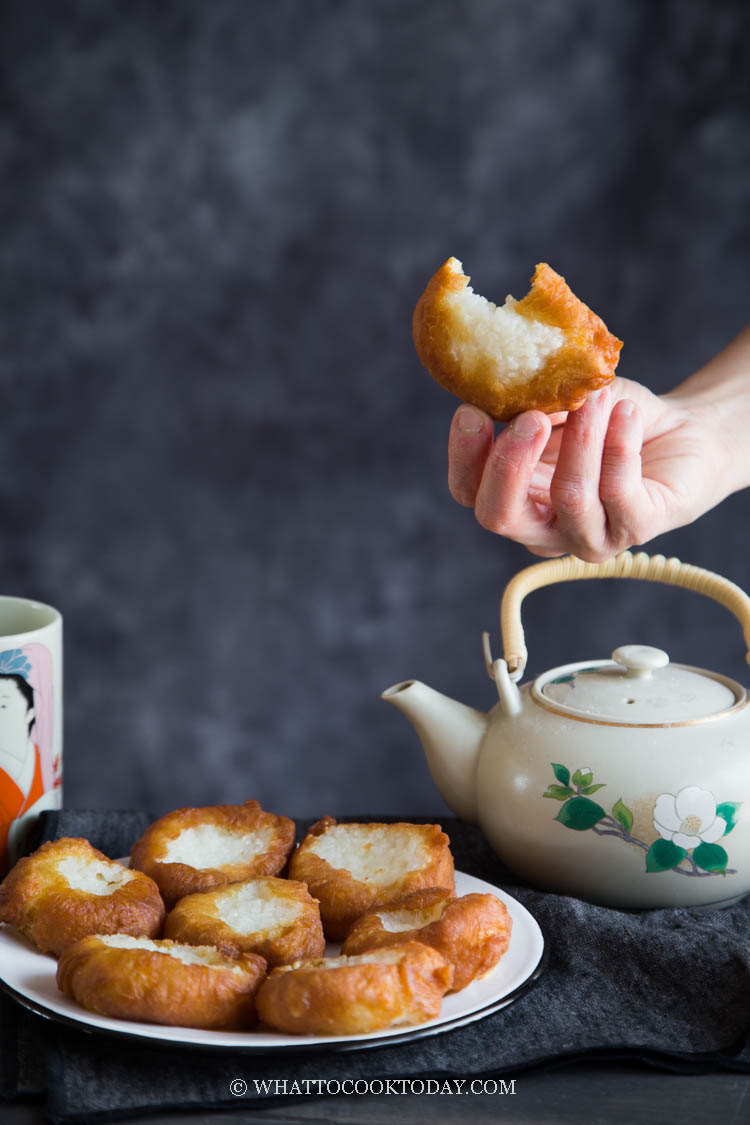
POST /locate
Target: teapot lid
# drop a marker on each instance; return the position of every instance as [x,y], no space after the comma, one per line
[637,687]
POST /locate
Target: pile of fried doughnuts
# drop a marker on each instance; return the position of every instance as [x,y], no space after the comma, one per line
[546,352]
[218,923]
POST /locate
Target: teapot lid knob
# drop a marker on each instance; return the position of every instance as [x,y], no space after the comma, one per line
[640,660]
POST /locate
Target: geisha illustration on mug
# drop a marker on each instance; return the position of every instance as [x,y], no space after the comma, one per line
[29,771]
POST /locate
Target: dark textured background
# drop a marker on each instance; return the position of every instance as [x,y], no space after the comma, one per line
[219,455]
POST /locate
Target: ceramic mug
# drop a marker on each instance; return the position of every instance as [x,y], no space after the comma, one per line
[30,719]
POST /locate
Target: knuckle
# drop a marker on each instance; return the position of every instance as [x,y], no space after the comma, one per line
[492,521]
[591,554]
[616,461]
[622,535]
[570,496]
[613,490]
[502,465]
[614,477]
[624,543]
[633,532]
[504,457]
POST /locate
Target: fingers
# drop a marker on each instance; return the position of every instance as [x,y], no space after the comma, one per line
[597,490]
[470,440]
[505,497]
[621,488]
[574,489]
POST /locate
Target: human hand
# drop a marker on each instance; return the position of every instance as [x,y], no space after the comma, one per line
[624,468]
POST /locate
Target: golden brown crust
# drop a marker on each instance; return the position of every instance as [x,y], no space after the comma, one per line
[473,933]
[195,920]
[138,984]
[37,899]
[175,880]
[586,361]
[354,999]
[368,932]
[343,898]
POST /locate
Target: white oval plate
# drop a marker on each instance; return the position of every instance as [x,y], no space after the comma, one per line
[29,976]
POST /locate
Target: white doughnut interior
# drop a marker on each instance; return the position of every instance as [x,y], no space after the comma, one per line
[520,346]
[210,846]
[251,908]
[375,957]
[94,876]
[189,954]
[396,921]
[372,854]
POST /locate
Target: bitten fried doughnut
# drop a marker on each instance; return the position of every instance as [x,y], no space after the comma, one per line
[161,981]
[356,995]
[545,352]
[194,849]
[472,932]
[66,890]
[277,918]
[353,868]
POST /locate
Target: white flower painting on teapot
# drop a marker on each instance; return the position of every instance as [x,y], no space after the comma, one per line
[689,824]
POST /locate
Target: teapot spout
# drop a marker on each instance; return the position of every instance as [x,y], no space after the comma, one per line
[451,734]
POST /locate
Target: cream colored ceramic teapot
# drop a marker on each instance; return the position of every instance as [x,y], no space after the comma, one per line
[625,781]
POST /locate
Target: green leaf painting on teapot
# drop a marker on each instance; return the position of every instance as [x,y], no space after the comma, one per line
[689,824]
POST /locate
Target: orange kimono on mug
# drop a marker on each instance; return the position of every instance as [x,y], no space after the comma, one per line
[21,782]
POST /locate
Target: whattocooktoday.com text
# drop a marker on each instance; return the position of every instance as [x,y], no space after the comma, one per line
[279,1087]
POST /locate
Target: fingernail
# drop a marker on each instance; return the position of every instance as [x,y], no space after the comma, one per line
[627,408]
[525,426]
[470,421]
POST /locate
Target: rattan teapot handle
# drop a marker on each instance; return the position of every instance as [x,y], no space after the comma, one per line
[654,568]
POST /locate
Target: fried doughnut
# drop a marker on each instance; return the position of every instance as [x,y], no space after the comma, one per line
[66,890]
[192,850]
[546,352]
[356,995]
[161,981]
[353,868]
[277,918]
[472,932]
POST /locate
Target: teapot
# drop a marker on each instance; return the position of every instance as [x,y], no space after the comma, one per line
[625,782]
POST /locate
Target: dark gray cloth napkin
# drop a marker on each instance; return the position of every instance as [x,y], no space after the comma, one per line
[669,987]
